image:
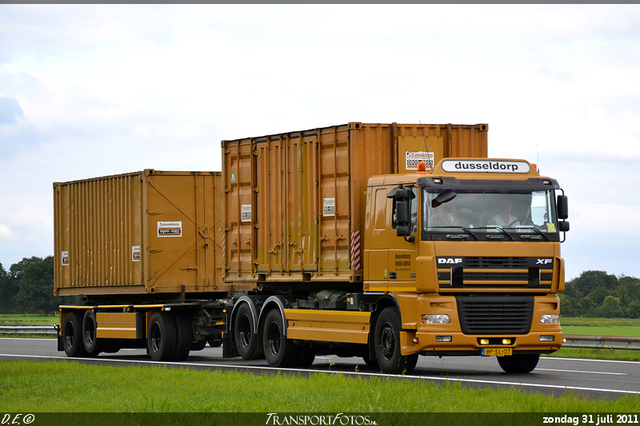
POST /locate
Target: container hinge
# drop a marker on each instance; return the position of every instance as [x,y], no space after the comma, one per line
[154,212]
[154,250]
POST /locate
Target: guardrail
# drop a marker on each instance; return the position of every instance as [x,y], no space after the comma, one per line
[571,340]
[28,329]
[603,342]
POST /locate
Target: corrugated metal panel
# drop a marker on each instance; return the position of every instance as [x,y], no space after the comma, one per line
[303,194]
[138,233]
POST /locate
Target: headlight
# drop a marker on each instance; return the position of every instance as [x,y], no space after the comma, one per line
[550,319]
[436,319]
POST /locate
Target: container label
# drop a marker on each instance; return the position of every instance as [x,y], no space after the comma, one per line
[135,253]
[413,158]
[170,229]
[328,207]
[245,213]
[65,258]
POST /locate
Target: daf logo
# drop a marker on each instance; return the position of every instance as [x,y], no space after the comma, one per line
[544,261]
[449,260]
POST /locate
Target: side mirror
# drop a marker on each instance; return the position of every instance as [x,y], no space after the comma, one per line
[563,207]
[403,218]
[563,226]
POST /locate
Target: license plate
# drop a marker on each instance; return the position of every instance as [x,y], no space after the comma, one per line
[496,351]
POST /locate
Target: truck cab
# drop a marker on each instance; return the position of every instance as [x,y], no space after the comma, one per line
[471,253]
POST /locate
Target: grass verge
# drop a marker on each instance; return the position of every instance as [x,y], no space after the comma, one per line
[26,386]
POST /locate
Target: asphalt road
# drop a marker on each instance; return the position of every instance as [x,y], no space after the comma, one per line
[593,378]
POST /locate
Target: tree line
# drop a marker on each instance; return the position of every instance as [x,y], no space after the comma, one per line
[596,294]
[27,287]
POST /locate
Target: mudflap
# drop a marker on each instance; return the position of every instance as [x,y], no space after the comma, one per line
[229,349]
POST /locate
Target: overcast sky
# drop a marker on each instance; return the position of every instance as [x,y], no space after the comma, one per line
[93,90]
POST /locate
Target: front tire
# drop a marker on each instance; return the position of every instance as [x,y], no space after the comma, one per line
[387,344]
[278,350]
[518,364]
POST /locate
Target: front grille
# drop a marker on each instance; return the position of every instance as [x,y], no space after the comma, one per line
[497,262]
[495,314]
[494,272]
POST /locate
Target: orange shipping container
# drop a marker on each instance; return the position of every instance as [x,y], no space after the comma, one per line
[294,203]
[149,232]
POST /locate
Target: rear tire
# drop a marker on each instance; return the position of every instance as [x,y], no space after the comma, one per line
[92,345]
[72,335]
[307,356]
[278,350]
[518,364]
[184,336]
[161,337]
[244,333]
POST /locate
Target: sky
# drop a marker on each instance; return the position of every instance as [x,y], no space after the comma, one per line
[95,90]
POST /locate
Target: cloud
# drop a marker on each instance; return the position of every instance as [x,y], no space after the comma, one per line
[10,111]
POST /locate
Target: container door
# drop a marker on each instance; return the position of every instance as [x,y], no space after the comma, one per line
[334,183]
[270,206]
[239,214]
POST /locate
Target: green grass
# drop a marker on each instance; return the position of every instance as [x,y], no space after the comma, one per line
[601,326]
[28,386]
[26,319]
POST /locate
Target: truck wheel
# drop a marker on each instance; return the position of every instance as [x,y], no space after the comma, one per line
[247,340]
[161,337]
[306,357]
[518,363]
[93,346]
[72,335]
[278,350]
[387,344]
[184,336]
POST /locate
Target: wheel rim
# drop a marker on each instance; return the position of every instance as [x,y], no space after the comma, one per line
[274,338]
[68,336]
[156,338]
[90,332]
[387,341]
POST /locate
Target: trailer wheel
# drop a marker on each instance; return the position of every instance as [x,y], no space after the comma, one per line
[161,337]
[93,346]
[72,335]
[278,350]
[306,357]
[184,336]
[518,363]
[244,333]
[387,344]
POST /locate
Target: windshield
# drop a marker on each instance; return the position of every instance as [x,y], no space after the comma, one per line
[532,212]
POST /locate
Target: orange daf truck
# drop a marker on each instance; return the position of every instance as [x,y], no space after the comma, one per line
[381,241]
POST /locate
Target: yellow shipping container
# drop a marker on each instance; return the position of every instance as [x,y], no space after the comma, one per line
[148,232]
[294,203]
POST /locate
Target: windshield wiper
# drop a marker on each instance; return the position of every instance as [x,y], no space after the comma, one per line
[464,228]
[528,237]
